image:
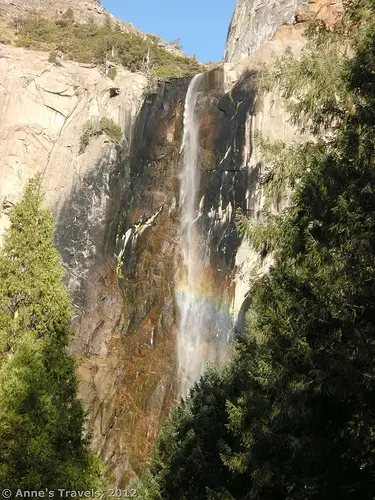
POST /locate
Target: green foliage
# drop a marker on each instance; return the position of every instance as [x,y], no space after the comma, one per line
[323,103]
[176,43]
[296,416]
[52,58]
[311,315]
[147,486]
[94,128]
[28,259]
[41,429]
[112,73]
[187,460]
[90,129]
[91,43]
[27,42]
[110,128]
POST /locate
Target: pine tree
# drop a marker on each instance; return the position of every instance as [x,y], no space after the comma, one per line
[31,291]
[187,460]
[41,419]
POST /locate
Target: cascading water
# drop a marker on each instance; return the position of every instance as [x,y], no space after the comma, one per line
[202,322]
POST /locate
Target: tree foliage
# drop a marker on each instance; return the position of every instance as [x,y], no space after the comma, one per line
[91,43]
[296,419]
[41,419]
[96,127]
[187,460]
[31,291]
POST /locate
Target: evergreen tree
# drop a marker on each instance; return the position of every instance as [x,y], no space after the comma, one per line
[313,314]
[187,460]
[300,388]
[41,419]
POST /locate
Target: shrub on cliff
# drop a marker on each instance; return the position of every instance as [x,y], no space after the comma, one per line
[94,128]
[91,43]
[111,129]
[300,402]
[41,419]
[112,73]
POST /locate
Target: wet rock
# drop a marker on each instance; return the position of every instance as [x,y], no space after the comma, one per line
[147,248]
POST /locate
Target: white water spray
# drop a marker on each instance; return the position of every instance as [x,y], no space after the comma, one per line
[201,320]
[189,348]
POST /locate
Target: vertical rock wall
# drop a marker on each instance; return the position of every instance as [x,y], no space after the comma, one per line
[142,389]
[149,259]
[129,372]
[149,256]
[255,22]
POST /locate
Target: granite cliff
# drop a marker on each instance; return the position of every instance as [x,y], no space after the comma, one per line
[117,210]
[255,22]
[83,11]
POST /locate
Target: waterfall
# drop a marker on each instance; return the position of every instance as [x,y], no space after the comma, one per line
[202,324]
[189,340]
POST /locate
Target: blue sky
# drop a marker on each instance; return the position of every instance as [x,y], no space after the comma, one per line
[201,25]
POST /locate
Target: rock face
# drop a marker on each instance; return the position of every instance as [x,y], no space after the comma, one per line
[143,387]
[255,22]
[140,382]
[84,10]
[44,108]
